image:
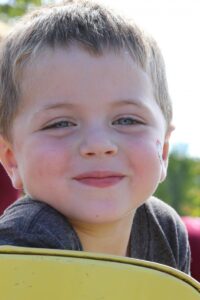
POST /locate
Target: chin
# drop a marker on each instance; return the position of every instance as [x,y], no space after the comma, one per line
[99,217]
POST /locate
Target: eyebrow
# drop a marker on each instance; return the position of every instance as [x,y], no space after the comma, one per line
[55,106]
[127,102]
[59,105]
[115,103]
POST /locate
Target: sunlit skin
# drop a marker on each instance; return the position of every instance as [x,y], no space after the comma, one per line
[84,113]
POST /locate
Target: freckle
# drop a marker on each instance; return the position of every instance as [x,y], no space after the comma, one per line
[97,216]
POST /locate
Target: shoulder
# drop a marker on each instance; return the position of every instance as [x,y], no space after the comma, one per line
[32,223]
[23,211]
[167,234]
[161,210]
[166,217]
[17,221]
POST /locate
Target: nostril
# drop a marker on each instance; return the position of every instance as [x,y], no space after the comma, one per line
[100,148]
[90,154]
[109,152]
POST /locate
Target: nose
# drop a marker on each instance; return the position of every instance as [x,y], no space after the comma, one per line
[97,144]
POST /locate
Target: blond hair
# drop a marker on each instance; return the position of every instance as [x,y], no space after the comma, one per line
[91,26]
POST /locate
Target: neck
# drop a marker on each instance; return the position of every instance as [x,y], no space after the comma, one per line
[112,238]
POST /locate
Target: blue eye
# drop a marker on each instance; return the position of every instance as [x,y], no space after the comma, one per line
[127,121]
[60,124]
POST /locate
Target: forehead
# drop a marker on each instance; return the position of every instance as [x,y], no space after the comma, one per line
[75,70]
[76,56]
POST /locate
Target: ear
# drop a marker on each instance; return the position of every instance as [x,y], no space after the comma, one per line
[165,153]
[7,158]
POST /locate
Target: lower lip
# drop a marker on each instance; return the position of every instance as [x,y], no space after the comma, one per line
[101,182]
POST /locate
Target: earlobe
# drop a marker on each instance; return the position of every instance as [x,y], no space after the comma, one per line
[9,163]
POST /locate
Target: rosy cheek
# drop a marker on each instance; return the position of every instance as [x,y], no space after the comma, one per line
[144,152]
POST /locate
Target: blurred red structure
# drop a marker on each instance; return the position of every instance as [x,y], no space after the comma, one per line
[193,227]
[7,193]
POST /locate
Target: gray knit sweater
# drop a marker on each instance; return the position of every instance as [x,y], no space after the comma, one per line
[158,233]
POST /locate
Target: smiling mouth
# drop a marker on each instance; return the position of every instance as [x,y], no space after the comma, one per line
[100,179]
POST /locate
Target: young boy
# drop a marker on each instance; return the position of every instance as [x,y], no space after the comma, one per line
[85,120]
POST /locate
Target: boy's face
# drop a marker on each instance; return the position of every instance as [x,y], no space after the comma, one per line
[89,138]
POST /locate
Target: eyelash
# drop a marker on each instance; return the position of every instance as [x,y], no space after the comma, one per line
[60,124]
[131,121]
[66,124]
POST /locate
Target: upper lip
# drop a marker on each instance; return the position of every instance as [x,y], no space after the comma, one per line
[99,174]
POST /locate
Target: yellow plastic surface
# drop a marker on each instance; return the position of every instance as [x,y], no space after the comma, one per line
[41,274]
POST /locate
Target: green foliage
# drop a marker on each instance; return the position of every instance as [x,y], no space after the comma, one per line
[17,8]
[181,188]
